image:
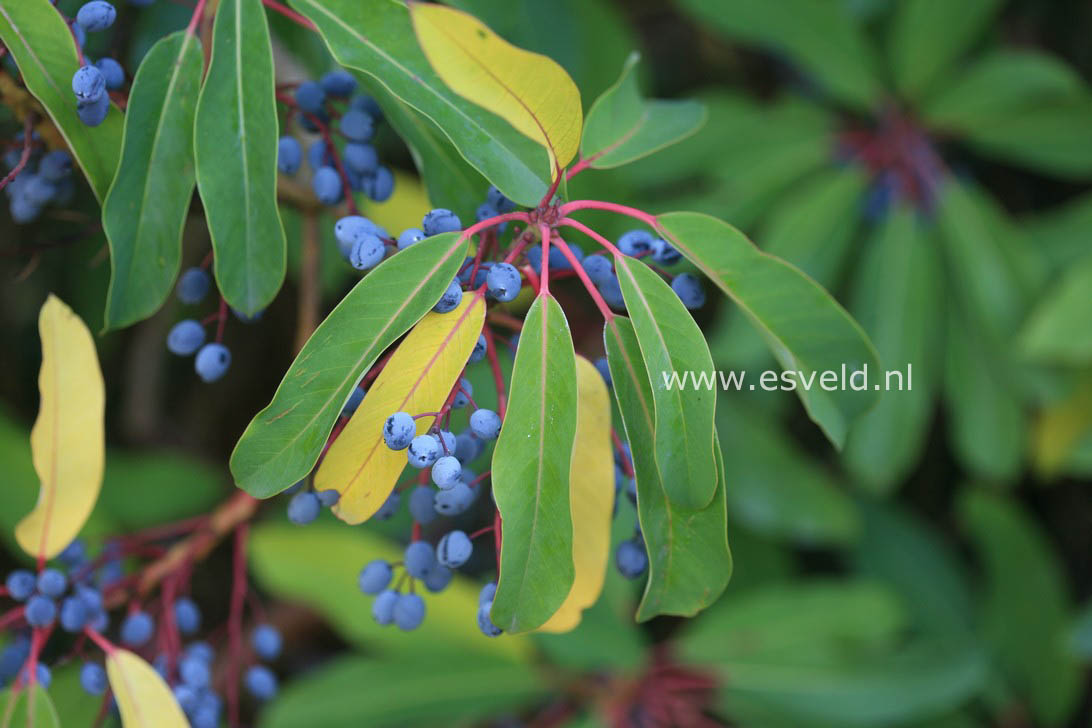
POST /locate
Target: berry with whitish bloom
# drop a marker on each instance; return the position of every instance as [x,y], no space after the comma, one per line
[611,290]
[94,111]
[310,97]
[355,398]
[440,220]
[352,228]
[409,612]
[326,184]
[112,73]
[137,629]
[20,584]
[631,559]
[438,578]
[689,290]
[389,507]
[56,165]
[383,606]
[304,508]
[603,367]
[420,505]
[448,441]
[597,267]
[328,498]
[451,299]
[187,616]
[40,611]
[423,451]
[73,615]
[463,395]
[193,285]
[361,158]
[399,430]
[487,594]
[467,447]
[503,281]
[485,621]
[96,16]
[479,350]
[289,155]
[338,83]
[409,237]
[93,678]
[261,682]
[195,672]
[88,84]
[419,558]
[185,337]
[212,361]
[367,252]
[454,549]
[380,186]
[266,641]
[445,472]
[636,242]
[357,126]
[485,423]
[664,253]
[454,501]
[375,576]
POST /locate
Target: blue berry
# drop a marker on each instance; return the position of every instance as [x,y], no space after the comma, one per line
[485,621]
[96,16]
[439,221]
[558,259]
[463,395]
[289,155]
[420,505]
[485,423]
[375,576]
[497,199]
[399,430]
[88,84]
[453,501]
[195,672]
[352,228]
[200,650]
[212,361]
[310,97]
[56,165]
[93,112]
[409,612]
[534,257]
[445,472]
[73,615]
[611,290]
[423,451]
[79,33]
[193,285]
[438,578]
[361,158]
[266,641]
[597,267]
[355,398]
[112,73]
[326,184]
[480,348]
[93,678]
[328,498]
[485,211]
[303,508]
[261,682]
[40,611]
[389,507]
[409,237]
[365,103]
[357,125]
[187,616]
[636,242]
[467,447]
[689,290]
[631,559]
[137,629]
[338,83]
[664,253]
[367,252]
[454,549]
[503,281]
[448,442]
[43,675]
[487,594]
[380,186]
[419,558]
[603,367]
[20,584]
[383,606]
[185,337]
[92,598]
[451,299]
[318,155]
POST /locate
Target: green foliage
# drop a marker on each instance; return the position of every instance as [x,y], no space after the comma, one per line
[30,708]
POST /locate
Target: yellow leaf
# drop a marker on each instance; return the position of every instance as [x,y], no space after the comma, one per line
[404,209]
[418,378]
[68,441]
[591,497]
[528,90]
[144,700]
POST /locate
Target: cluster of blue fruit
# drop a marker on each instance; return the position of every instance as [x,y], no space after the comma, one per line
[92,81]
[187,337]
[630,556]
[44,179]
[356,124]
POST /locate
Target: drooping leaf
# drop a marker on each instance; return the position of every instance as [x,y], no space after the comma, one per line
[147,204]
[530,91]
[689,561]
[671,343]
[68,440]
[45,52]
[1057,329]
[622,126]
[27,707]
[807,330]
[283,441]
[235,149]
[378,39]
[144,699]
[531,466]
[591,496]
[1025,610]
[898,298]
[418,378]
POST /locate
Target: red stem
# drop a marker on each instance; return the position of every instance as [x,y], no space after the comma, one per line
[609,207]
[481,531]
[103,643]
[28,137]
[567,222]
[544,285]
[196,17]
[289,13]
[221,320]
[604,309]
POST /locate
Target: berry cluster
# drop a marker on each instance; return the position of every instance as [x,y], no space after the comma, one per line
[41,178]
[187,337]
[92,81]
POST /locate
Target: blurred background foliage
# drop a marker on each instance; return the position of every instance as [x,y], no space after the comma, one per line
[929,162]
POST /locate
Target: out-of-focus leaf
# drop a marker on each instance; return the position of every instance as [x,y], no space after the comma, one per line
[1080,635]
[1062,233]
[318,566]
[1058,329]
[822,37]
[417,378]
[152,23]
[1052,138]
[27,708]
[75,706]
[531,464]
[43,48]
[622,126]
[898,299]
[69,439]
[805,328]
[1060,428]
[141,489]
[147,205]
[283,441]
[928,36]
[1026,609]
[407,689]
[144,699]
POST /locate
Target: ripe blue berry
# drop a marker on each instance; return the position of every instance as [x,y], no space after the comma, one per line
[488,592]
[419,558]
[463,395]
[409,237]
[318,155]
[439,221]
[193,285]
[73,615]
[479,350]
[56,165]
[266,641]
[664,253]
[187,616]
[112,73]
[485,423]
[38,190]
[326,184]
[485,211]
[96,16]
[365,103]
[454,549]
[497,199]
[485,621]
[88,84]
[597,267]
[375,576]
[423,451]
[631,559]
[409,612]
[361,158]
[445,472]
[355,398]
[379,186]
[137,629]
[93,678]
[289,155]
[338,83]
[611,290]
[212,361]
[383,606]
[92,598]
[351,228]
[40,611]
[185,337]
[636,242]
[689,290]
[357,125]
[328,498]
[93,112]
[468,447]
[310,97]
[195,672]
[200,650]
[438,578]
[447,442]
[43,675]
[389,507]
[451,299]
[503,281]
[454,501]
[20,584]
[603,367]
[367,252]
[303,508]
[261,682]
[534,258]
[420,505]
[399,430]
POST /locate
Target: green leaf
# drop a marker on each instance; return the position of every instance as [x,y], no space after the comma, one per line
[898,297]
[44,50]
[1025,610]
[1080,635]
[410,689]
[1059,233]
[621,126]
[689,560]
[236,154]
[27,708]
[283,441]
[928,36]
[822,37]
[378,39]
[531,473]
[807,330]
[1057,328]
[671,343]
[1053,138]
[184,487]
[147,204]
